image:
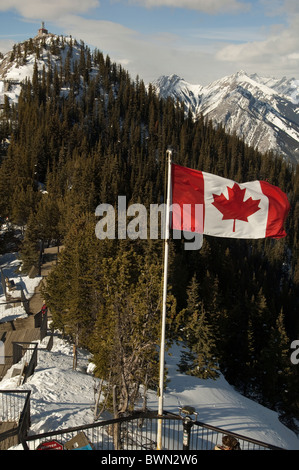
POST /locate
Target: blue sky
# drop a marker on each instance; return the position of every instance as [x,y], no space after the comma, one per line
[199,40]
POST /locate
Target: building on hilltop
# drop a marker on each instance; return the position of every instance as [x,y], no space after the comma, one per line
[42,30]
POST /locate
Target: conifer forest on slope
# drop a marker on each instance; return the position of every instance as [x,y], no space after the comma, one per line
[88,133]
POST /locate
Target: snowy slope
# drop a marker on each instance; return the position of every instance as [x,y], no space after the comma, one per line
[219,404]
[53,51]
[263,111]
[62,397]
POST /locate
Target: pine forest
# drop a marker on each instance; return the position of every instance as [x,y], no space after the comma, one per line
[83,133]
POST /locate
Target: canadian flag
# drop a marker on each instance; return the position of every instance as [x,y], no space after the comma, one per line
[212,205]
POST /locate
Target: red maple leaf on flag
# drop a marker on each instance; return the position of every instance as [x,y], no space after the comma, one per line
[235,207]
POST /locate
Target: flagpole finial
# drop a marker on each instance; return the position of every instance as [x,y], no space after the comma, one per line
[169,150]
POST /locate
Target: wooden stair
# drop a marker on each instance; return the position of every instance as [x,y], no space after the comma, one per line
[21,330]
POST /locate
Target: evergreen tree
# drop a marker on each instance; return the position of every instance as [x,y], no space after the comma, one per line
[71,288]
[127,327]
[30,247]
[275,367]
[199,337]
[23,203]
[48,219]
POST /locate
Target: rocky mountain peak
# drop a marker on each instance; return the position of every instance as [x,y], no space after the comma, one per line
[264,111]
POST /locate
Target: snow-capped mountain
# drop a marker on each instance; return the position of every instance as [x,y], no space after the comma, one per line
[45,51]
[262,111]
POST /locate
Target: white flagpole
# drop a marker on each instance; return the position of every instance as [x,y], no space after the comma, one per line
[162,347]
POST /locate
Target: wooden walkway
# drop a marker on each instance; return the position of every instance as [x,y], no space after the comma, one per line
[22,329]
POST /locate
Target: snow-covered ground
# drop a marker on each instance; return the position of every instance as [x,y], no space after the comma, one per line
[62,397]
[9,264]
[219,404]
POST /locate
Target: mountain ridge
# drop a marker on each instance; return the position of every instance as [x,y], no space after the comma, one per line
[264,111]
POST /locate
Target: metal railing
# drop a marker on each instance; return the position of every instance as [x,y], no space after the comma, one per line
[206,437]
[26,354]
[14,416]
[139,432]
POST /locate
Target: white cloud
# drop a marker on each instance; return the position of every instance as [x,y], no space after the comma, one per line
[51,10]
[198,60]
[206,6]
[105,35]
[225,34]
[280,7]
[6,45]
[273,55]
[148,56]
[280,42]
